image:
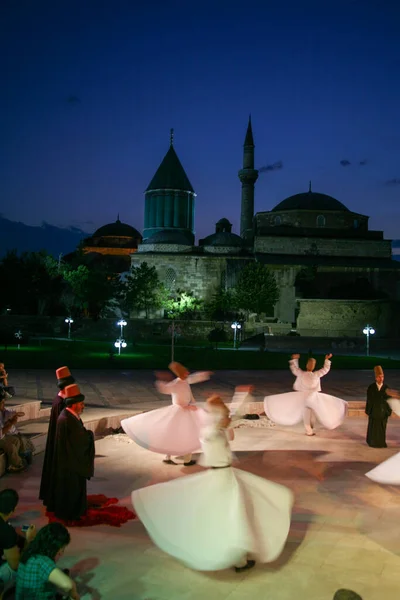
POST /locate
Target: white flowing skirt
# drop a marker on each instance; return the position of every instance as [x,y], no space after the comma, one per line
[387,472]
[288,409]
[211,520]
[170,430]
[394,404]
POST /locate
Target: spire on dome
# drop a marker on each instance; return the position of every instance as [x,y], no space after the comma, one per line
[249,141]
[171,137]
[309,187]
[118,221]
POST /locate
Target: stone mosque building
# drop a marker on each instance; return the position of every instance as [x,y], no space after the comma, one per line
[334,274]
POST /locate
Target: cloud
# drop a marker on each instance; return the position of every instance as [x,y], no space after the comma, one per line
[363,162]
[395,181]
[73,100]
[274,167]
[345,163]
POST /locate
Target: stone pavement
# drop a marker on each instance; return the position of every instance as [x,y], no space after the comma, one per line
[123,389]
[344,532]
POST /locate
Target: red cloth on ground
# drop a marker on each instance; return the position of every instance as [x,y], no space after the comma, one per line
[101,511]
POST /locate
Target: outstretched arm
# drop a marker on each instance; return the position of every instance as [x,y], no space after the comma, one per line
[165,387]
[199,377]
[326,368]
[294,365]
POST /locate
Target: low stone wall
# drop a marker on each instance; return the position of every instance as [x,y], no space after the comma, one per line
[347,318]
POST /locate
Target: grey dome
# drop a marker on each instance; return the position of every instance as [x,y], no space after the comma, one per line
[223,238]
[310,201]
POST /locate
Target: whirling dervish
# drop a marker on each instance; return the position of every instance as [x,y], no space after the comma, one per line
[219,518]
[307,400]
[175,429]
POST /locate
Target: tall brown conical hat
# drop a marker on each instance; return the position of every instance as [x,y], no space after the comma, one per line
[378,371]
[64,377]
[73,395]
[177,369]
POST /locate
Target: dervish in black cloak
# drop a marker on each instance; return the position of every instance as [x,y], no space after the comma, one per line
[73,460]
[64,378]
[378,410]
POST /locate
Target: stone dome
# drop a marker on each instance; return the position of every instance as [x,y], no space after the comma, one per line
[310,201]
[169,236]
[117,229]
[223,238]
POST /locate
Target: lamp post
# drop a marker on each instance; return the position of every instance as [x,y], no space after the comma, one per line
[120,343]
[368,330]
[235,326]
[69,321]
[121,323]
[18,335]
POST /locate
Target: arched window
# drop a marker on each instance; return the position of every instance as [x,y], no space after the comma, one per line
[320,221]
[170,279]
[356,224]
[278,221]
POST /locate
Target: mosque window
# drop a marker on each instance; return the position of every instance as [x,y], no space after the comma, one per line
[321,221]
[170,279]
[278,220]
[356,224]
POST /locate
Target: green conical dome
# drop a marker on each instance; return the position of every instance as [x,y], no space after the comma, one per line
[170,175]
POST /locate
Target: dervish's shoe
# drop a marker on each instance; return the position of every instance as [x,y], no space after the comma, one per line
[190,463]
[168,461]
[249,565]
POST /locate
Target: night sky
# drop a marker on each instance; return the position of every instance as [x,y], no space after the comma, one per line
[90,90]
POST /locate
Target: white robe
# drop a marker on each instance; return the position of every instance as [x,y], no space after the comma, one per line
[212,520]
[388,472]
[172,430]
[289,408]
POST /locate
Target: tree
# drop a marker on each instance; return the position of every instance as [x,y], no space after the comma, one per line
[222,306]
[217,335]
[27,285]
[183,305]
[88,289]
[143,290]
[256,289]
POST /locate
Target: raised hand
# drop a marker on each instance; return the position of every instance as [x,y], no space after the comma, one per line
[328,356]
[295,356]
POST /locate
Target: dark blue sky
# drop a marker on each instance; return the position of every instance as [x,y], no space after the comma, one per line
[91,89]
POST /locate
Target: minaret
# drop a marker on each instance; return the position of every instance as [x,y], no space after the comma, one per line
[248,176]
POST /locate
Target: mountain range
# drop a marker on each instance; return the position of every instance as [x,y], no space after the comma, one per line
[27,238]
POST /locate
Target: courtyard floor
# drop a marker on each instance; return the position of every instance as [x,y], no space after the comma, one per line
[344,532]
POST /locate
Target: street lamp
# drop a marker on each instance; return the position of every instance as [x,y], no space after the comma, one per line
[69,321]
[18,335]
[121,323]
[235,326]
[120,343]
[368,330]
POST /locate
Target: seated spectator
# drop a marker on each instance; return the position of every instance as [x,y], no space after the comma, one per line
[4,380]
[3,375]
[26,449]
[10,541]
[38,576]
[11,444]
[346,595]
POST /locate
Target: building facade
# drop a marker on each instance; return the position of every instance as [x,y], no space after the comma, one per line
[321,253]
